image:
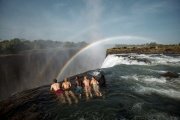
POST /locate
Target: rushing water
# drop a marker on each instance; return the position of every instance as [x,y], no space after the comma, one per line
[135,91]
[134,81]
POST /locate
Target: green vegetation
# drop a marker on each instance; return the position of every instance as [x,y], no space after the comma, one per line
[149,48]
[17,45]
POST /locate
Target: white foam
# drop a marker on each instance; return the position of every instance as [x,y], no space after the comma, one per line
[95,73]
[167,92]
[159,71]
[145,79]
[112,60]
[134,77]
[161,59]
[139,59]
[159,80]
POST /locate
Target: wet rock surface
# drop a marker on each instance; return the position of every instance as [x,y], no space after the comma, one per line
[38,103]
[170,75]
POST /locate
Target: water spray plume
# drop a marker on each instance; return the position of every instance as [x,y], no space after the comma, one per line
[143,39]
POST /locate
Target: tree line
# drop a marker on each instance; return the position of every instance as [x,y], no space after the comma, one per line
[17,45]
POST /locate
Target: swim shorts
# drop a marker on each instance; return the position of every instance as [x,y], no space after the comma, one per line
[78,90]
[59,92]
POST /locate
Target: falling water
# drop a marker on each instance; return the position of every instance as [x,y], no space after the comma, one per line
[93,55]
[31,69]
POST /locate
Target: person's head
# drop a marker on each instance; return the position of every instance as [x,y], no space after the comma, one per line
[93,78]
[55,80]
[85,77]
[65,80]
[77,77]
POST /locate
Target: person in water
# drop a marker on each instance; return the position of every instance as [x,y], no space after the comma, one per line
[78,89]
[87,87]
[95,85]
[58,91]
[66,85]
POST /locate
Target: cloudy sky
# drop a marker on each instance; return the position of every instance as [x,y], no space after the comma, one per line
[86,20]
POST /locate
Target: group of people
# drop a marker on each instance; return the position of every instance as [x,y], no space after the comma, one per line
[64,91]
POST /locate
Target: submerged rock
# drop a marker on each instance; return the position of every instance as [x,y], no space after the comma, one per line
[170,75]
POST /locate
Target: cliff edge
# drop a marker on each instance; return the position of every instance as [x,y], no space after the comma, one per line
[159,49]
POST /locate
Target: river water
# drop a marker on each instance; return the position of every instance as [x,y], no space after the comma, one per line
[134,81]
[135,90]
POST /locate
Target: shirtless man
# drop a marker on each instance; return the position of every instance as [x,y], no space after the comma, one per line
[66,85]
[56,88]
[95,85]
[87,87]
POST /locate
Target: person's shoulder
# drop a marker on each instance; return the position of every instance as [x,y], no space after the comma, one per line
[52,85]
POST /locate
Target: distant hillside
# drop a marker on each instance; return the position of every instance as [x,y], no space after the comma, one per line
[17,45]
[145,49]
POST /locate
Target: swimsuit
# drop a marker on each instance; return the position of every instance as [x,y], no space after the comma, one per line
[59,92]
[67,89]
[78,90]
[96,87]
[87,89]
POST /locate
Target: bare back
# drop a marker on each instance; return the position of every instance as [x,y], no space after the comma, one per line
[55,86]
[86,83]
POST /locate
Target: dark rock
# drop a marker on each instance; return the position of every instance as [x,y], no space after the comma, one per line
[98,74]
[170,75]
[38,103]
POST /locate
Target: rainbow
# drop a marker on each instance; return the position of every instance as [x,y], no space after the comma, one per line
[96,43]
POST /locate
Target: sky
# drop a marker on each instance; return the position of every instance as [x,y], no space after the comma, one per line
[90,20]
